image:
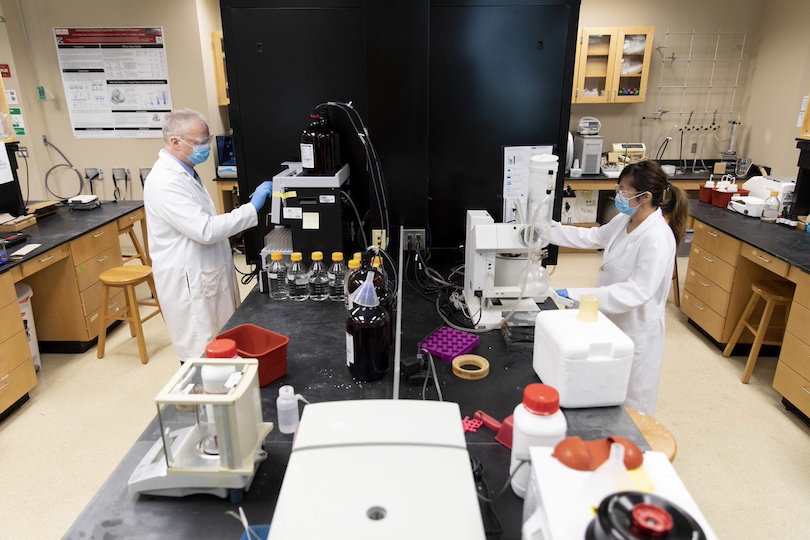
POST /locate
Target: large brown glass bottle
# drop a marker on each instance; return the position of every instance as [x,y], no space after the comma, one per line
[320,147]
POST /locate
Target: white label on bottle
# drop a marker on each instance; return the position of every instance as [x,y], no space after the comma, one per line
[349,349]
[326,199]
[272,276]
[307,156]
[293,212]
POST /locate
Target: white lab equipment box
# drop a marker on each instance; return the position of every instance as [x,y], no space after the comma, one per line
[588,363]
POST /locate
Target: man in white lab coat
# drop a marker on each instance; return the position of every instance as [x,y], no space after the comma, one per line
[188,241]
[636,270]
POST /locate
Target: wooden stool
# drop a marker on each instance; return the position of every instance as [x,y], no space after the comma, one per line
[126,277]
[140,252]
[655,433]
[776,292]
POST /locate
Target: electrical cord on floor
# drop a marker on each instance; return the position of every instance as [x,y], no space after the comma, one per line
[431,371]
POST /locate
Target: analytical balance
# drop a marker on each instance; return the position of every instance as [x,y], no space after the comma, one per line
[209,443]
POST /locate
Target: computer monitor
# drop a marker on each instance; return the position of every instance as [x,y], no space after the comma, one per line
[11,199]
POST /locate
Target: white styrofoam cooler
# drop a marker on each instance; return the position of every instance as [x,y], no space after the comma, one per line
[588,363]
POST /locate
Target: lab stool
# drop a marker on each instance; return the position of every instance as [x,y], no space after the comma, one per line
[655,433]
[775,293]
[140,252]
[127,277]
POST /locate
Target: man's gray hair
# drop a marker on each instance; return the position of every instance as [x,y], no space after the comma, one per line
[178,123]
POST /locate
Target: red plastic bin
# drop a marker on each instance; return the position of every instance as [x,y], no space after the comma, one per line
[721,199]
[269,348]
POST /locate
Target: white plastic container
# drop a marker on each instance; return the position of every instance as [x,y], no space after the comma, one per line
[538,421]
[24,294]
[587,362]
[287,408]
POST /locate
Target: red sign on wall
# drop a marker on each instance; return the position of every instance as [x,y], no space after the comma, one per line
[5,71]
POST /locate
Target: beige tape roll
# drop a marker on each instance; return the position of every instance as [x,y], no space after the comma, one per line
[466,360]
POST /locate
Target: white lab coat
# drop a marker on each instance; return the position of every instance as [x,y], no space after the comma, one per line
[191,256]
[632,288]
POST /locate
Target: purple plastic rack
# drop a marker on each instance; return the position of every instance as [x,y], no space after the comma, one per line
[447,343]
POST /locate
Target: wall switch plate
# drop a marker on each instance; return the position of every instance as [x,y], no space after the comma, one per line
[22,151]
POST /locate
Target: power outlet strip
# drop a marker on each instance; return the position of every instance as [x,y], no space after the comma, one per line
[414,238]
[378,238]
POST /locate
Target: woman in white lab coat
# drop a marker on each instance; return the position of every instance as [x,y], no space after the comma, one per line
[188,240]
[636,271]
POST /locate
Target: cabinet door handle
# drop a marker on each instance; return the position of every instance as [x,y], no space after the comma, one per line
[704,284]
[2,387]
[97,235]
[46,259]
[803,388]
[763,259]
[700,308]
[710,233]
[708,259]
[104,258]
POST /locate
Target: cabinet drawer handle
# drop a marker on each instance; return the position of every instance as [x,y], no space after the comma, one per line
[133,218]
[803,388]
[710,233]
[104,258]
[708,259]
[704,284]
[97,235]
[700,308]
[3,387]
[46,259]
[112,305]
[761,258]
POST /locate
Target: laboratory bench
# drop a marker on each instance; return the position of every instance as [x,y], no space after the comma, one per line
[729,253]
[76,246]
[316,368]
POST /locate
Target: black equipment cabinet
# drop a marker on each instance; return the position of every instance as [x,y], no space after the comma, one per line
[442,86]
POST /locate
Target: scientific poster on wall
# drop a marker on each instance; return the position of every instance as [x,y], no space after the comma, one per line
[116,81]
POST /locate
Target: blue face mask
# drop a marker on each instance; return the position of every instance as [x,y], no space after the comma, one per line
[200,154]
[622,204]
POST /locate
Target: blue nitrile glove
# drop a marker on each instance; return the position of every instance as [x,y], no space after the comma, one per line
[261,194]
[562,293]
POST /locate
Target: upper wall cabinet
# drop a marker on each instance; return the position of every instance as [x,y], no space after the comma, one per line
[612,65]
[220,71]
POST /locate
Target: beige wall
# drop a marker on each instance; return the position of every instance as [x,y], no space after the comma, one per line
[780,78]
[775,75]
[187,25]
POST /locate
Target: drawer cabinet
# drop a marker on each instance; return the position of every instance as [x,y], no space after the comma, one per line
[67,294]
[710,281]
[710,264]
[17,374]
[719,243]
[765,260]
[792,378]
[697,310]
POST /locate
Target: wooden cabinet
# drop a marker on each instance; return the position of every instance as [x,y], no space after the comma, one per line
[66,294]
[220,72]
[792,378]
[17,373]
[719,278]
[710,280]
[612,65]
